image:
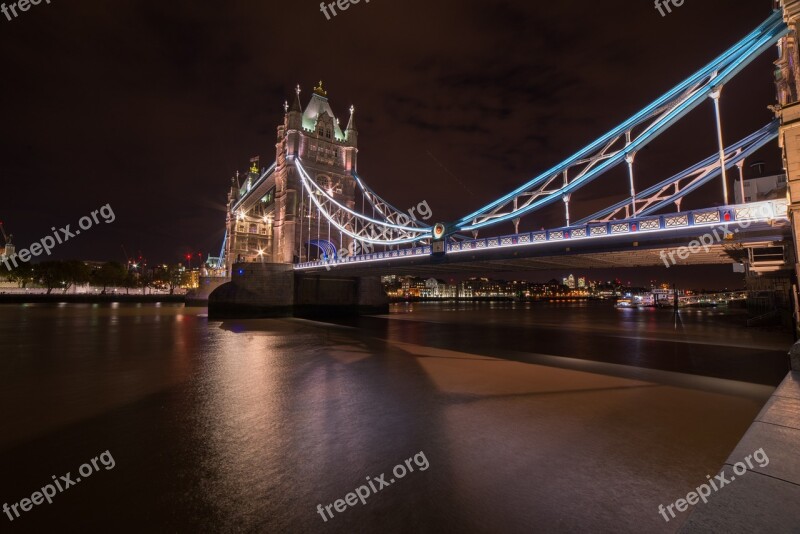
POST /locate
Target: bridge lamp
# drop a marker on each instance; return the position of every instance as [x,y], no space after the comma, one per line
[260,252]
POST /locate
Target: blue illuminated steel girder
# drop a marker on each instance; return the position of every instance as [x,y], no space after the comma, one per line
[652,199]
[600,156]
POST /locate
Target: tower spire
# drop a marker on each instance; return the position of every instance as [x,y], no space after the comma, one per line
[296,104]
[351,125]
[351,133]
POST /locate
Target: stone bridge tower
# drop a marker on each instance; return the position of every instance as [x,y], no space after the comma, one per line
[787,80]
[270,218]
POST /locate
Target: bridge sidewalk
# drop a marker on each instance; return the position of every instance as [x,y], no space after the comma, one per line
[765,499]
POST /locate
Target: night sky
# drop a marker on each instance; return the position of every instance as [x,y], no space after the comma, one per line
[152,106]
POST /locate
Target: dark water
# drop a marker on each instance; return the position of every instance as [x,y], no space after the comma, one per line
[542,418]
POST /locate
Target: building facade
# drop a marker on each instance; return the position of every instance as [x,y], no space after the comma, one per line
[761,188]
[270,217]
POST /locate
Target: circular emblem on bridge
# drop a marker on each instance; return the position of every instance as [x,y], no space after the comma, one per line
[438,230]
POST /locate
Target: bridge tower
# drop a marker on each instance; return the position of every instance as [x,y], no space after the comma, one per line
[271,218]
[787,80]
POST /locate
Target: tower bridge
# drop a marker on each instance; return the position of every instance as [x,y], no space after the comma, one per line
[308,233]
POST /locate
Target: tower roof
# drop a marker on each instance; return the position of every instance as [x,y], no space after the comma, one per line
[316,107]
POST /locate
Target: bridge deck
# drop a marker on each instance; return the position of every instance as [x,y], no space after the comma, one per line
[617,244]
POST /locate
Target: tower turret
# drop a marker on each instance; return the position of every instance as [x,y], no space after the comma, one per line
[351,133]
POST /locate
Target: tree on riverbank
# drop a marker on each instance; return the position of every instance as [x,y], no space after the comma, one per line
[111,274]
[61,274]
[22,274]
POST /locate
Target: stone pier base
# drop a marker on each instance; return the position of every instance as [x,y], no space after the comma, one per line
[199,296]
[275,290]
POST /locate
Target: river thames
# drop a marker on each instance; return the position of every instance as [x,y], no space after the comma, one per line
[530,417]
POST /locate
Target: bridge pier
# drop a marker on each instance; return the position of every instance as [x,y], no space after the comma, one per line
[276,290]
[199,296]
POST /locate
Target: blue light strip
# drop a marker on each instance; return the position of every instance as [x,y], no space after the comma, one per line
[366,189]
[750,144]
[765,211]
[716,73]
[306,180]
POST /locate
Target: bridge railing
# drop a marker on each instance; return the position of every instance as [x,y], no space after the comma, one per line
[752,212]
[701,218]
[417,251]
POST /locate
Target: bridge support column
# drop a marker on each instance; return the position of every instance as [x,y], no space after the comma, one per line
[715,96]
[208,284]
[629,160]
[255,290]
[276,290]
[740,166]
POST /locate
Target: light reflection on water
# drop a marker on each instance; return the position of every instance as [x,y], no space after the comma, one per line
[248,425]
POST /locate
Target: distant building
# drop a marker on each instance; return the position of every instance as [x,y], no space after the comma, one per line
[413,286]
[582,282]
[189,279]
[762,188]
[466,289]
